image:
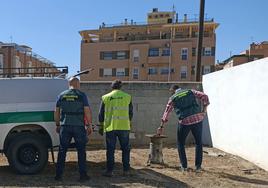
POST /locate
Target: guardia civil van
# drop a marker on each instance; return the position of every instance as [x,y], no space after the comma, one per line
[27,127]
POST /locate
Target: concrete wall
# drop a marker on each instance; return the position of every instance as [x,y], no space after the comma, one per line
[149,101]
[238,110]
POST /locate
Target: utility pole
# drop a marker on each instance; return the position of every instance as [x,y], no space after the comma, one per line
[170,54]
[200,40]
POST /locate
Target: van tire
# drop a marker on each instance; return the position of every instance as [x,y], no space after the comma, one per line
[27,154]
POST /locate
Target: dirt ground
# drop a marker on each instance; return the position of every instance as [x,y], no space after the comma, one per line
[220,170]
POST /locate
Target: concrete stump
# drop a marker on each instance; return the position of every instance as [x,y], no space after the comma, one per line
[156,145]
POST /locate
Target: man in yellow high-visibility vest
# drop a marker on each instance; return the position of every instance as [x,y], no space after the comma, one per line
[115,114]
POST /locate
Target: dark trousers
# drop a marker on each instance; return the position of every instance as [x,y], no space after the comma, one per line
[80,137]
[182,133]
[123,137]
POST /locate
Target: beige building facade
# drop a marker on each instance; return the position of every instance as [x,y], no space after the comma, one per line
[163,49]
[255,51]
[19,60]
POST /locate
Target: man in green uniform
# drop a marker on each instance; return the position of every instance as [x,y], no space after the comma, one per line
[72,109]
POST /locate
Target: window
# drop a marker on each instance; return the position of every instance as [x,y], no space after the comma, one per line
[184,53]
[194,34]
[106,55]
[120,72]
[107,72]
[1,63]
[207,51]
[164,70]
[166,52]
[136,55]
[183,72]
[206,69]
[153,52]
[135,73]
[121,55]
[193,51]
[29,65]
[109,55]
[152,70]
[16,64]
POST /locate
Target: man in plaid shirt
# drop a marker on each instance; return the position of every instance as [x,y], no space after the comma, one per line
[190,115]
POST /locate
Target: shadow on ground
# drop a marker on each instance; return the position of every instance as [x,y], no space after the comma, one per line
[243,179]
[238,178]
[139,177]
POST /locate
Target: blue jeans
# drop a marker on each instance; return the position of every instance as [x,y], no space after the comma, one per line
[182,133]
[123,137]
[80,137]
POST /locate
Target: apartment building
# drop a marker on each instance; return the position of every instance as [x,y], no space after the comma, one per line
[20,60]
[255,51]
[162,49]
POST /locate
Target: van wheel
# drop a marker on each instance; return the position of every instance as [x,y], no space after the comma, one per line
[27,154]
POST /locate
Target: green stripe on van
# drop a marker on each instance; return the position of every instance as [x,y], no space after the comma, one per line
[24,117]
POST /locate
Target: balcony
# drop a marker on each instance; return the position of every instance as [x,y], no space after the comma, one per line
[158,60]
[142,37]
[143,31]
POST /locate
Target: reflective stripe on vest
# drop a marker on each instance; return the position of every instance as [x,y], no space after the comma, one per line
[120,117]
[118,108]
[116,115]
[180,94]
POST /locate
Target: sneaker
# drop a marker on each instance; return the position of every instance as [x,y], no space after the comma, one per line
[84,178]
[58,178]
[182,169]
[126,173]
[108,174]
[198,169]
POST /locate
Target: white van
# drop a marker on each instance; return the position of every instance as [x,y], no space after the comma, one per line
[27,127]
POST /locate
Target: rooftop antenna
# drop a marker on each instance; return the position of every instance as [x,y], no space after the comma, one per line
[174,13]
[11,39]
[252,39]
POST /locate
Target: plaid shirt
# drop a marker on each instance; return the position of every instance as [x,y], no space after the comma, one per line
[193,119]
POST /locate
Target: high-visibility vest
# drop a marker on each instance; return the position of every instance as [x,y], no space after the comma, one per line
[116,116]
[185,104]
[72,108]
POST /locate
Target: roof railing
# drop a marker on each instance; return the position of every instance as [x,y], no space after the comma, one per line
[180,21]
[33,71]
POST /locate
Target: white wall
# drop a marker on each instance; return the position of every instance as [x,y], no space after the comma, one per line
[238,110]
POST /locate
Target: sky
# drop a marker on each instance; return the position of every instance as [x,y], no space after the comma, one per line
[51,27]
